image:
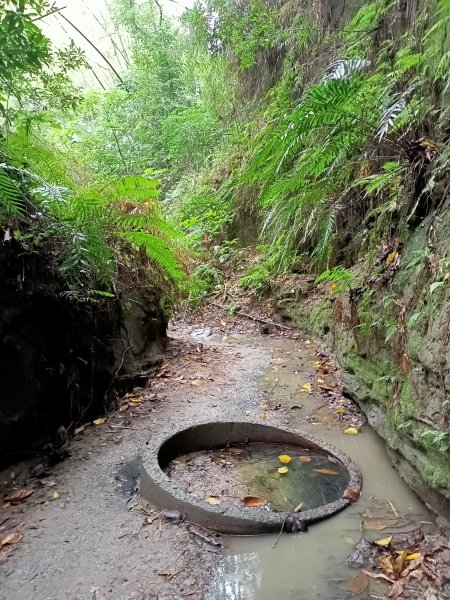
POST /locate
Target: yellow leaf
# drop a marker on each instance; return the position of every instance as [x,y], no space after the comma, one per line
[99,421]
[348,540]
[285,458]
[212,499]
[136,400]
[351,431]
[341,411]
[299,507]
[283,470]
[413,556]
[384,541]
[326,471]
[264,405]
[307,342]
[306,387]
[197,382]
[55,496]
[263,415]
[223,323]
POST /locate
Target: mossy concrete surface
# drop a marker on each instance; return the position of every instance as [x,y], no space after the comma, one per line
[392,339]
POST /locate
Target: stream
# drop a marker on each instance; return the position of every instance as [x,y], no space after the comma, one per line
[312,565]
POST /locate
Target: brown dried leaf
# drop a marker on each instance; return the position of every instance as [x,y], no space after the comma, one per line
[358,583]
[305,459]
[351,494]
[18,496]
[254,501]
[11,538]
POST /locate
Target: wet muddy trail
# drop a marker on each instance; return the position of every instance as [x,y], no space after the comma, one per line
[87,535]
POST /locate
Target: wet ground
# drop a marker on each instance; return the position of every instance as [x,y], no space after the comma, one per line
[95,540]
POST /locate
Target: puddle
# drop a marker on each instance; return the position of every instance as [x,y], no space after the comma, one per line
[128,475]
[228,475]
[312,565]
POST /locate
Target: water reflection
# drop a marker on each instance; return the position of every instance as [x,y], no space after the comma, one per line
[237,578]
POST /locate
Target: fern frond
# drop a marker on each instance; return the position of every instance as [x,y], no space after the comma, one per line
[157,250]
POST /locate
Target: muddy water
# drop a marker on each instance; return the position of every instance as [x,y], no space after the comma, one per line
[283,477]
[312,565]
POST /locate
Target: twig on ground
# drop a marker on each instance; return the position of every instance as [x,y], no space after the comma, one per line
[257,319]
[279,535]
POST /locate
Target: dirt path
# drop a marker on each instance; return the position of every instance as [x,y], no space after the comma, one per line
[89,542]
[86,536]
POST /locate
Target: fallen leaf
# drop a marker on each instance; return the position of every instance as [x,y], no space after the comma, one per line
[341,411]
[305,458]
[349,540]
[413,556]
[285,458]
[55,496]
[378,524]
[197,382]
[307,342]
[223,323]
[254,501]
[212,499]
[326,471]
[384,541]
[358,583]
[377,576]
[99,421]
[391,258]
[350,494]
[299,507]
[282,470]
[11,538]
[124,407]
[136,400]
[263,415]
[306,387]
[351,431]
[18,496]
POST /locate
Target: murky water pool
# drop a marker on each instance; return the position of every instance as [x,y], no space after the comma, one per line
[286,477]
[311,565]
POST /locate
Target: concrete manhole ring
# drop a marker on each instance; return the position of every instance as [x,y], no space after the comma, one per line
[157,488]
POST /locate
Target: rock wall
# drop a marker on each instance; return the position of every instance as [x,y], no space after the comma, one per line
[59,358]
[391,335]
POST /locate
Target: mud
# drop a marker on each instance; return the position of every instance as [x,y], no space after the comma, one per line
[95,540]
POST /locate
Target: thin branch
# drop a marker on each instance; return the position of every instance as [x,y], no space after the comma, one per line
[95,47]
[51,12]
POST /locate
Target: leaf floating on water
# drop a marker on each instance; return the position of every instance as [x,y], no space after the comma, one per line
[326,471]
[299,507]
[99,421]
[384,541]
[351,431]
[11,538]
[18,496]
[348,540]
[358,583]
[305,458]
[285,458]
[212,500]
[254,501]
[283,470]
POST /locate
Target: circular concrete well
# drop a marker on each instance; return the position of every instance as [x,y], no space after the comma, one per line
[161,491]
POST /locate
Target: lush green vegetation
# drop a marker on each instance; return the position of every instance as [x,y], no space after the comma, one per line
[239,120]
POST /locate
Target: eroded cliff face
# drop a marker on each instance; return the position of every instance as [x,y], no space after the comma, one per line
[61,359]
[391,334]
